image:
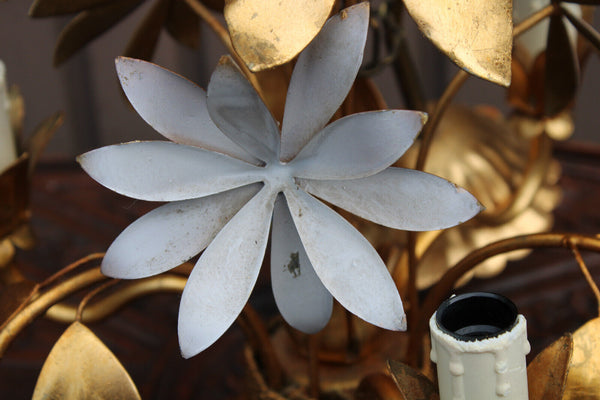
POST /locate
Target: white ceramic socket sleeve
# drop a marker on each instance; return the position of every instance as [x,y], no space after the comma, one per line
[486,369]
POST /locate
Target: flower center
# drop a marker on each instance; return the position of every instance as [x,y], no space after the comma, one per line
[279,176]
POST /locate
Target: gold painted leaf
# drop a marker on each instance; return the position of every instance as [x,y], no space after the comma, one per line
[562,69]
[145,38]
[48,8]
[42,134]
[413,384]
[88,25]
[378,386]
[81,366]
[183,24]
[583,381]
[269,33]
[547,373]
[475,34]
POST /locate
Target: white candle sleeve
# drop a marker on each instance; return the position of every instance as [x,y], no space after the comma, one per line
[8,150]
[479,344]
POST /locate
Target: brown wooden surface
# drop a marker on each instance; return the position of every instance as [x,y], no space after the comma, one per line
[74,216]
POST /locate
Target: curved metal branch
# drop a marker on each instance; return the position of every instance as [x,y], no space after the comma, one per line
[539,240]
[36,307]
[102,308]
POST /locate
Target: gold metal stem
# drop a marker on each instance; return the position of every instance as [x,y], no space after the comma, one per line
[314,385]
[539,240]
[43,302]
[214,24]
[100,309]
[440,108]
[74,265]
[532,20]
[413,313]
[445,284]
[586,273]
[83,303]
[258,338]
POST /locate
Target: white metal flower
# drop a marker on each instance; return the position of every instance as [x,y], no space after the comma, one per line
[230,172]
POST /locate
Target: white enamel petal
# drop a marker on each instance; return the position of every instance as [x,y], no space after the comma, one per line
[239,112]
[346,263]
[166,171]
[300,296]
[323,76]
[222,280]
[358,145]
[174,106]
[400,198]
[172,234]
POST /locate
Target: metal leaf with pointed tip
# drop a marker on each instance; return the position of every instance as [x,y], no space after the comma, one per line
[47,8]
[429,202]
[561,78]
[88,25]
[343,259]
[325,70]
[37,142]
[547,373]
[583,381]
[270,33]
[145,38]
[413,384]
[183,24]
[299,294]
[81,366]
[476,35]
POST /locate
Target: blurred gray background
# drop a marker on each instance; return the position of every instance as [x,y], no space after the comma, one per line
[86,86]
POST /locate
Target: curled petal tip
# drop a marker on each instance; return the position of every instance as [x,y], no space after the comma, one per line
[424,117]
[402,325]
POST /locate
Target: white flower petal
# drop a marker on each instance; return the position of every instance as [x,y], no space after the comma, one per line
[172,234]
[174,106]
[322,77]
[239,112]
[400,198]
[165,171]
[222,280]
[358,145]
[346,263]
[300,296]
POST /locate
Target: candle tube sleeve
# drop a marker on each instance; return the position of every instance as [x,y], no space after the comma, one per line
[479,344]
[8,150]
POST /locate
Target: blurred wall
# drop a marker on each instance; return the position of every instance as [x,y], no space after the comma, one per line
[86,87]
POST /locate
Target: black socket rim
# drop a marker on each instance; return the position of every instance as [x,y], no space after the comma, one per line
[476,316]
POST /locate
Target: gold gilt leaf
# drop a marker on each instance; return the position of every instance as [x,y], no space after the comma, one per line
[378,386]
[183,25]
[547,373]
[145,38]
[80,366]
[562,69]
[475,34]
[269,33]
[42,134]
[48,8]
[583,381]
[88,25]
[412,384]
